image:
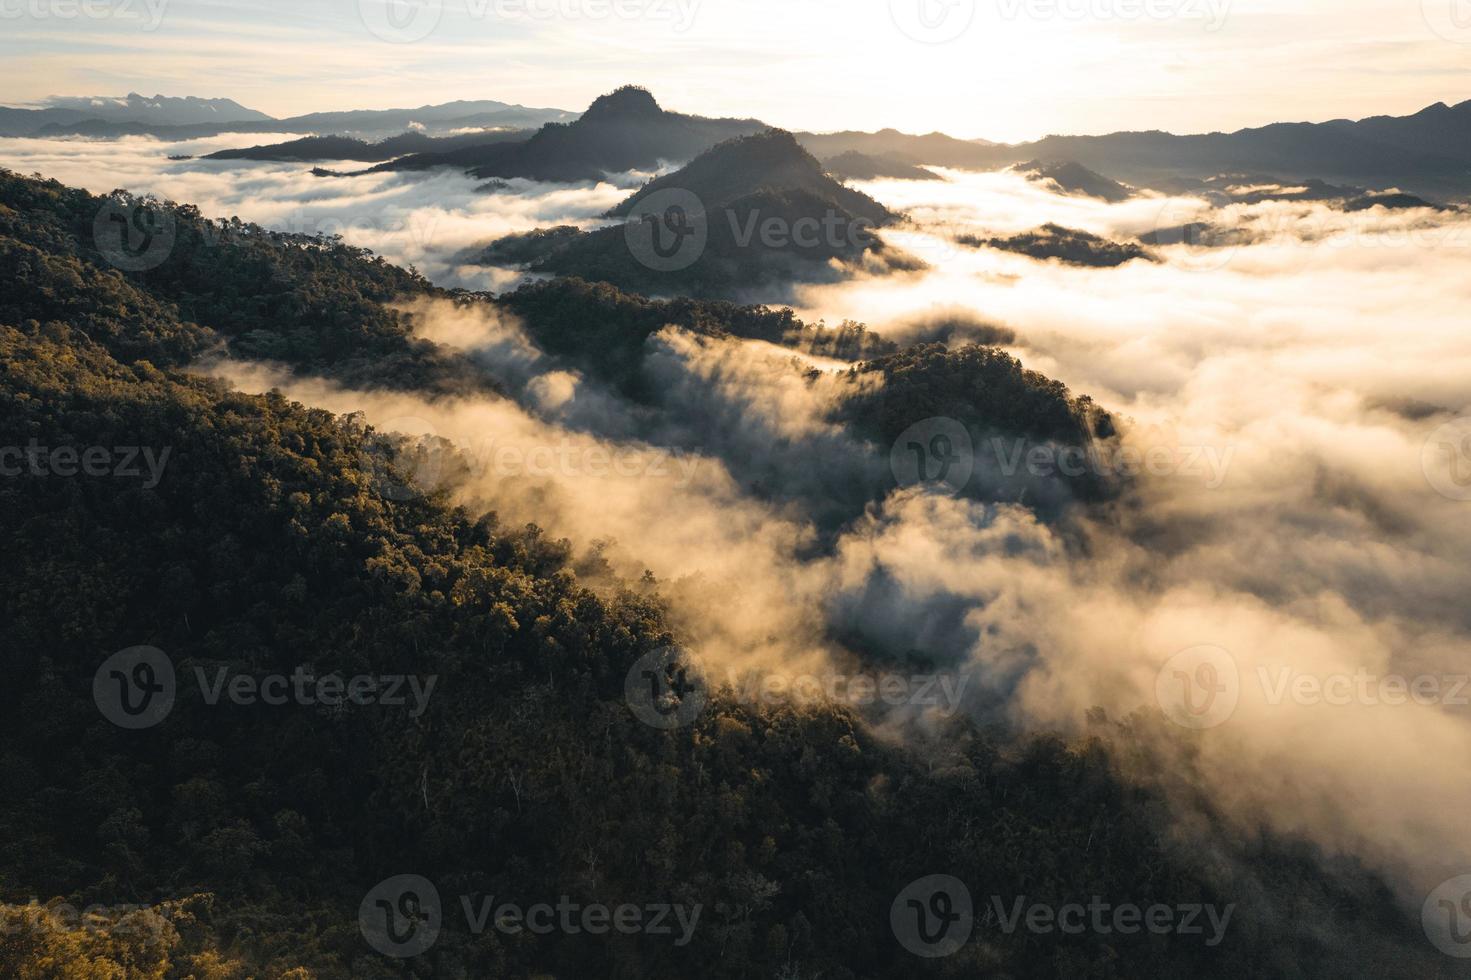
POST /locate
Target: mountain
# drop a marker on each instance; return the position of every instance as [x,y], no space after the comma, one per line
[235,840]
[315,148]
[191,118]
[935,149]
[747,165]
[482,113]
[1427,153]
[622,131]
[756,212]
[860,166]
[1071,177]
[131,113]
[160,110]
[1067,245]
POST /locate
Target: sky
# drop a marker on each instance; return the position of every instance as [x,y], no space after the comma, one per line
[1005,70]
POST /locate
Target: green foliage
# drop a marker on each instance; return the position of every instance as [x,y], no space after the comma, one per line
[269,544]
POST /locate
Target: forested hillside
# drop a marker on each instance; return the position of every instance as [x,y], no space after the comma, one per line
[253,832]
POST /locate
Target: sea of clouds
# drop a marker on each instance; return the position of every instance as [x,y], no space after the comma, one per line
[1301,389]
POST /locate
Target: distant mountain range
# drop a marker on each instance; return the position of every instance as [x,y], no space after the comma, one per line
[311,149]
[853,165]
[1427,153]
[191,118]
[133,109]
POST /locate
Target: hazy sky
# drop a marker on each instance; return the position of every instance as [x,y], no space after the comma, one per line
[1000,69]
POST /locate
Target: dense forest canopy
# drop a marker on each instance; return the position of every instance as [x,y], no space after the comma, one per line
[236,840]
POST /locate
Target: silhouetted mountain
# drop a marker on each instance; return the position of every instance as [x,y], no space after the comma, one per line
[1392,201]
[624,130]
[744,166]
[753,212]
[860,166]
[1428,153]
[1068,245]
[1074,178]
[935,148]
[312,148]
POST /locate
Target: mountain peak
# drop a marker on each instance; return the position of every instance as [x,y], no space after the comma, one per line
[628,102]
